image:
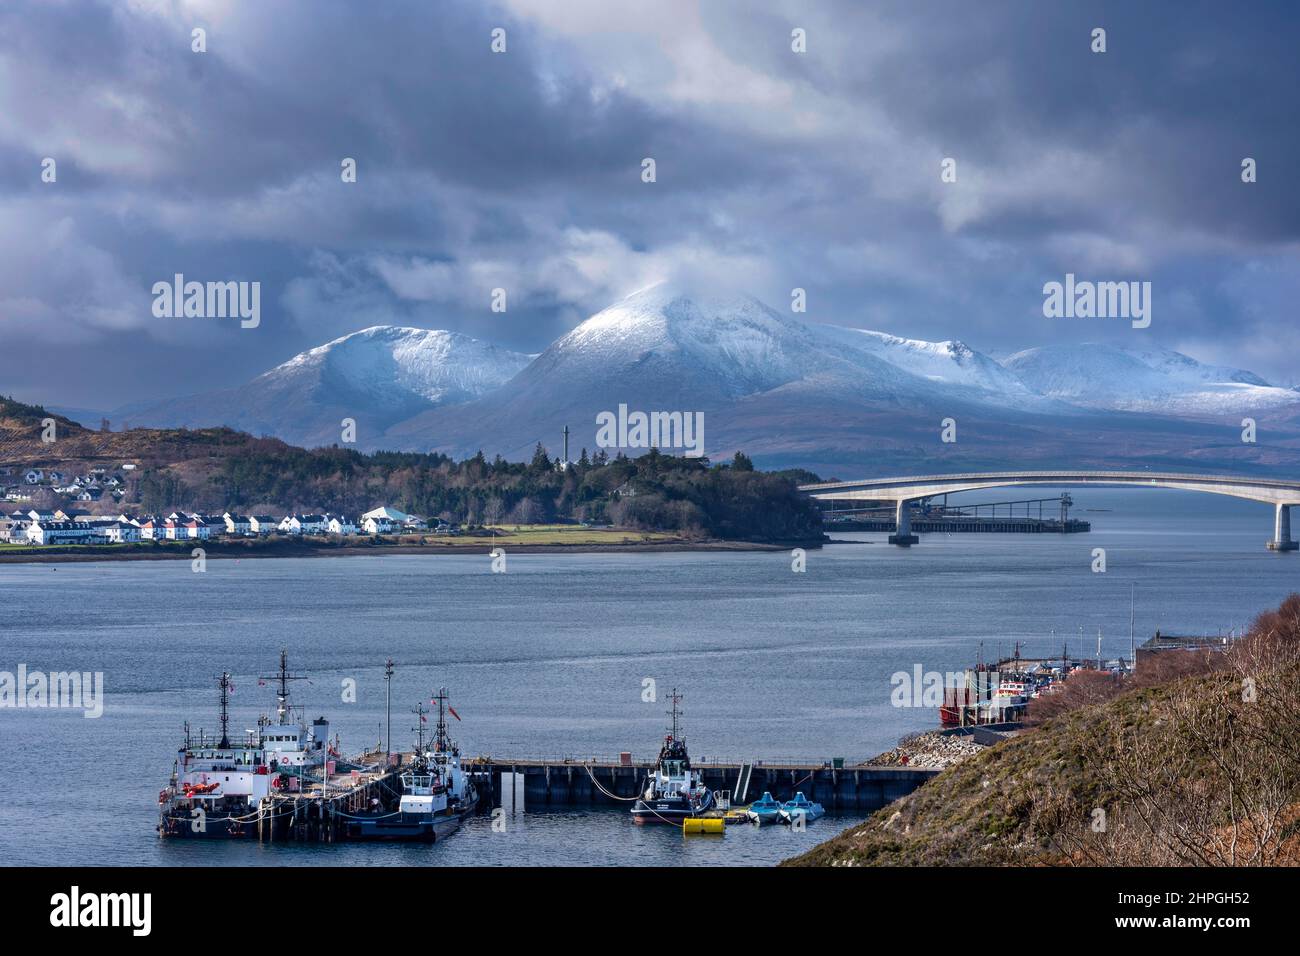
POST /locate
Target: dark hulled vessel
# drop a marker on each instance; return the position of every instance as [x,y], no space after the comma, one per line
[437,794]
[674,791]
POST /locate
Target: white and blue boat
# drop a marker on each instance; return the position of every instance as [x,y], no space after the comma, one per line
[766,809]
[801,807]
[674,790]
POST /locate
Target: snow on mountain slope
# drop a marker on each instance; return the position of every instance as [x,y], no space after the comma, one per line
[948,363]
[666,349]
[377,376]
[739,344]
[394,365]
[1144,380]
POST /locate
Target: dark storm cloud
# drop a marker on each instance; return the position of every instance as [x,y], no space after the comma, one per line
[521,170]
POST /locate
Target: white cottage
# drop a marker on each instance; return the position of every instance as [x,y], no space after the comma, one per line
[340,524]
[262,524]
[237,524]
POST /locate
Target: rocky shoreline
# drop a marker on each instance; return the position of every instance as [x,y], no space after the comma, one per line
[928,750]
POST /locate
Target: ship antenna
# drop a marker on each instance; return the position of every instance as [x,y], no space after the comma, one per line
[225,686]
[283,678]
[675,713]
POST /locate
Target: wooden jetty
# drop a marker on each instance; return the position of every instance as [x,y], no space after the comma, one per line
[320,812]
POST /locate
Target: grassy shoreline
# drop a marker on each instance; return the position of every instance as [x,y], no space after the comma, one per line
[544,539]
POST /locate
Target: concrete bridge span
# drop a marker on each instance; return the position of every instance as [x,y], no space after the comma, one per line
[905,490]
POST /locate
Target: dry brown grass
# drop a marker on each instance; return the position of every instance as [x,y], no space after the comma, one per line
[1196,764]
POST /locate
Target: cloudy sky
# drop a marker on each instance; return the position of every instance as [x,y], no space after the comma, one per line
[522,170]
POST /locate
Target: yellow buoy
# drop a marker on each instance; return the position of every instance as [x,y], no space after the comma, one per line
[704,825]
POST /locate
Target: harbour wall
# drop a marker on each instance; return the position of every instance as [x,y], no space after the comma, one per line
[549,784]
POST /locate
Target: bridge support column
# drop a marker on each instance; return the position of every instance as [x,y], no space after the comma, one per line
[1282,531]
[903,526]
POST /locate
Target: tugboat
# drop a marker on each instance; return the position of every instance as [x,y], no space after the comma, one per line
[436,793]
[674,791]
[217,784]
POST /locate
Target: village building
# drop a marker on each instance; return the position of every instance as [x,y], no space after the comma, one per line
[120,532]
[59,532]
[237,524]
[262,524]
[341,524]
[13,529]
[304,524]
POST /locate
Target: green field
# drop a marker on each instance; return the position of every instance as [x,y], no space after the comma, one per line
[562,535]
[545,534]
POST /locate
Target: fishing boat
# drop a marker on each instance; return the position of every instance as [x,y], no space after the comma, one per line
[437,794]
[674,791]
[801,808]
[766,809]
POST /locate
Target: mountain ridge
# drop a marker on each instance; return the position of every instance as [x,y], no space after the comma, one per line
[789,391]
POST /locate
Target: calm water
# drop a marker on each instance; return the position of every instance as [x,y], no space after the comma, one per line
[550,659]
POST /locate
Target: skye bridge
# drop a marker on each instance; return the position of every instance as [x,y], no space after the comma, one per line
[902,492]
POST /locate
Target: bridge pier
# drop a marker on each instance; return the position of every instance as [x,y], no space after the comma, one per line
[902,535]
[1282,531]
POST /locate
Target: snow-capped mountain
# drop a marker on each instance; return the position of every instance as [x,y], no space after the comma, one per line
[710,348]
[665,349]
[1142,380]
[377,376]
[767,382]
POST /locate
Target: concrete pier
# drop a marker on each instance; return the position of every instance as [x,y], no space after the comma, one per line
[548,784]
[903,523]
[900,491]
[963,524]
[1282,531]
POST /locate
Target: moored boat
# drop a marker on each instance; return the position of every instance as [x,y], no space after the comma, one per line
[217,783]
[766,809]
[437,794]
[801,808]
[674,791]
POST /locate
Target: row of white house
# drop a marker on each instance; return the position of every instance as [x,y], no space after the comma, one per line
[78,527]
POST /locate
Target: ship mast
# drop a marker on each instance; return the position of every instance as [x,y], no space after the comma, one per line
[675,713]
[419,712]
[226,688]
[441,743]
[282,694]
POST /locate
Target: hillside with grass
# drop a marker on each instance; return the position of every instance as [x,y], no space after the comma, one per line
[1198,768]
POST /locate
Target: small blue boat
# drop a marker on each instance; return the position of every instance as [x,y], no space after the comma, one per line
[766,809]
[801,806]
